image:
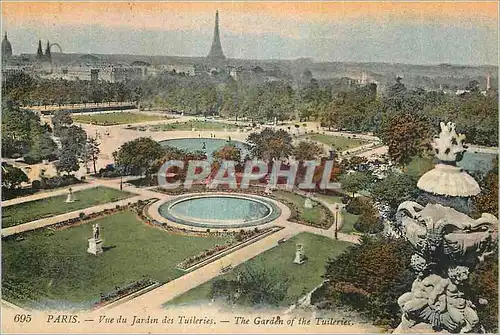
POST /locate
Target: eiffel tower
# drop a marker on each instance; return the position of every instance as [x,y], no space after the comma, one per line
[216,55]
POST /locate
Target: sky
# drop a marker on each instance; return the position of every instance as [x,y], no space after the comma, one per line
[394,32]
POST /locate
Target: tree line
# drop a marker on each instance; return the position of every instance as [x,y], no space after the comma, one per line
[24,136]
[351,107]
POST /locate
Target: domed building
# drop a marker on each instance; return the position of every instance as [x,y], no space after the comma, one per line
[6,48]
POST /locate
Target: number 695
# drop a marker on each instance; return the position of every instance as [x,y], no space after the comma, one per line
[22,318]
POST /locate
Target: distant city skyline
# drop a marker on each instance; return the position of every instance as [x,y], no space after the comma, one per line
[414,33]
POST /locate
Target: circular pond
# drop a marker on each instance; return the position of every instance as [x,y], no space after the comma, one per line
[207,145]
[219,211]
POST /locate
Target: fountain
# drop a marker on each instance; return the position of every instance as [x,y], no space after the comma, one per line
[448,245]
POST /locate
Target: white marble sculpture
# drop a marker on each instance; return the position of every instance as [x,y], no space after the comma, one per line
[95,243]
[268,190]
[69,198]
[300,255]
[448,246]
[308,203]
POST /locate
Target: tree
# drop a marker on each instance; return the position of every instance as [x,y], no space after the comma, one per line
[397,88]
[369,278]
[18,86]
[74,139]
[353,163]
[407,136]
[487,200]
[61,119]
[252,286]
[369,221]
[73,148]
[355,182]
[12,176]
[92,151]
[394,189]
[176,154]
[473,86]
[67,162]
[139,155]
[43,146]
[271,144]
[307,150]
[17,126]
[484,284]
[227,153]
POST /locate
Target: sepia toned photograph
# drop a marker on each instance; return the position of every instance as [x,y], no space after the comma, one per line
[249,167]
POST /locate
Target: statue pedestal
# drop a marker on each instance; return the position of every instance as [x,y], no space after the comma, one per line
[299,259]
[95,246]
[308,203]
[69,199]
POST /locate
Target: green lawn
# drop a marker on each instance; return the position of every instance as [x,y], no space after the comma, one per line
[330,198]
[348,218]
[338,142]
[56,265]
[38,209]
[116,118]
[198,125]
[348,223]
[317,214]
[303,278]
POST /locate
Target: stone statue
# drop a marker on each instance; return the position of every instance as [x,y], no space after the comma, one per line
[448,245]
[300,255]
[95,243]
[97,231]
[268,190]
[308,203]
[69,198]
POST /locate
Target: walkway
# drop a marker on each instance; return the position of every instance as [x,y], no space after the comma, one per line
[47,194]
[484,150]
[157,297]
[66,216]
[142,194]
[170,290]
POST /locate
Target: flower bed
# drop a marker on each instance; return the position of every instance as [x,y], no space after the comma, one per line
[295,215]
[244,237]
[121,292]
[188,262]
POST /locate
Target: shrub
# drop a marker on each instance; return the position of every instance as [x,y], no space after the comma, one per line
[109,174]
[31,160]
[369,278]
[356,205]
[36,184]
[369,222]
[82,216]
[58,181]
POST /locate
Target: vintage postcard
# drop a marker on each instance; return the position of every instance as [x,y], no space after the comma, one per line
[249,167]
